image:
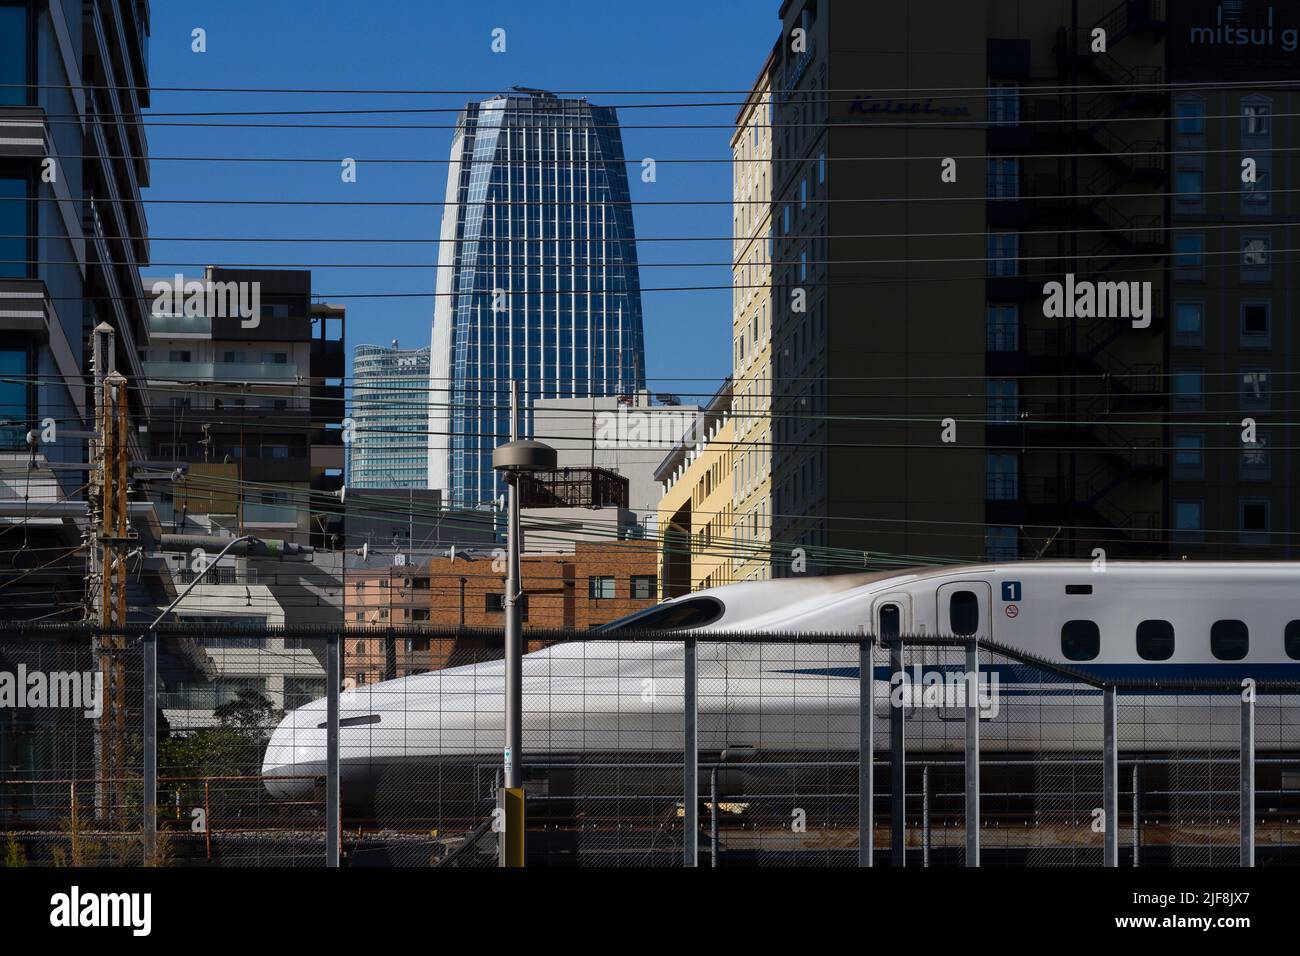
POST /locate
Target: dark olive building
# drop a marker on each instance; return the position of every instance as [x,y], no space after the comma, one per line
[932,401]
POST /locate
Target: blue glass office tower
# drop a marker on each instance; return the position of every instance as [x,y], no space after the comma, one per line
[537,278]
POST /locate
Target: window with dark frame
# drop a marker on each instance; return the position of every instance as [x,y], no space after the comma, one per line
[1080,640]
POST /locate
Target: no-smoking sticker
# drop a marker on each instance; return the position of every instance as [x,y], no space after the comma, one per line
[1012,610]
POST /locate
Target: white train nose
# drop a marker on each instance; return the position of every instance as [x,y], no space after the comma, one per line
[294,756]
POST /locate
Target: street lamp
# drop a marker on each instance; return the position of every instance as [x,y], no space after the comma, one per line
[512,460]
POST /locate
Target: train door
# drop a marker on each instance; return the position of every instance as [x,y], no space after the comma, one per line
[965,609]
[891,616]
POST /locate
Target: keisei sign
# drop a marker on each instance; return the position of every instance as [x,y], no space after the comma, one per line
[866,105]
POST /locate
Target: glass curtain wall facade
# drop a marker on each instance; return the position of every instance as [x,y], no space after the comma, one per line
[537,278]
[390,447]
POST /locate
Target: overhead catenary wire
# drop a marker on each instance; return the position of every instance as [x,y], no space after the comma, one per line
[938,92]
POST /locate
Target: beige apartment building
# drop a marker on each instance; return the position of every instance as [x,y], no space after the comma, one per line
[697,510]
[751,485]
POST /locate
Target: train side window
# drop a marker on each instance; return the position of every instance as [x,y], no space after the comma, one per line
[1155,640]
[964,613]
[890,618]
[1229,640]
[1292,641]
[1080,640]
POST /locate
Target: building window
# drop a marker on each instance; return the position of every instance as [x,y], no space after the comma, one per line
[1003,249]
[1189,116]
[600,587]
[1189,457]
[1189,184]
[1002,327]
[1189,324]
[644,587]
[785,219]
[1001,543]
[1188,520]
[14,65]
[1256,261]
[1004,104]
[821,167]
[1189,256]
[1003,179]
[1257,197]
[15,219]
[1255,461]
[1254,515]
[1001,477]
[1256,389]
[15,397]
[1255,324]
[1189,393]
[803,194]
[1256,118]
[1003,401]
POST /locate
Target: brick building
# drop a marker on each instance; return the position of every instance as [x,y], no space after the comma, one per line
[595,584]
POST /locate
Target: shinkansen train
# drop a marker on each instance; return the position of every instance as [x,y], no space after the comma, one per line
[1161,622]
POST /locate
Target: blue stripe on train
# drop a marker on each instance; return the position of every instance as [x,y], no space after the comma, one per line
[1025,674]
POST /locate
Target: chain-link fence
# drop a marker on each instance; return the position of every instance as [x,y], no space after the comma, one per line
[383,747]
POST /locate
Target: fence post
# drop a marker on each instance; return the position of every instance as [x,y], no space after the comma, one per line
[690,756]
[1137,817]
[713,815]
[866,751]
[972,754]
[149,798]
[1110,777]
[897,764]
[1248,776]
[925,815]
[332,749]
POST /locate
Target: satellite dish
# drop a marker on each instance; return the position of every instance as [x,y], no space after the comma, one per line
[451,552]
[342,492]
[364,551]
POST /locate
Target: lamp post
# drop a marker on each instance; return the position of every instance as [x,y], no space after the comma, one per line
[511,460]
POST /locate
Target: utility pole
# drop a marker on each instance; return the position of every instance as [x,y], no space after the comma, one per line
[108,536]
[513,460]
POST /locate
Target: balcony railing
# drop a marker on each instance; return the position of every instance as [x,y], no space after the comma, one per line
[222,371]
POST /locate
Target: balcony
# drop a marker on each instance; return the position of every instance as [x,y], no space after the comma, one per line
[199,326]
[259,515]
[221,372]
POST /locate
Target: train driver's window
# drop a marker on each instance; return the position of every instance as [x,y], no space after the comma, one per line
[1292,641]
[1155,640]
[964,613]
[890,618]
[1229,640]
[1080,640]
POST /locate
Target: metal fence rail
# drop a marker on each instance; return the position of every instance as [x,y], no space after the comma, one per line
[641,749]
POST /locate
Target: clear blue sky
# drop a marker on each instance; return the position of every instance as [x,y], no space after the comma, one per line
[386,44]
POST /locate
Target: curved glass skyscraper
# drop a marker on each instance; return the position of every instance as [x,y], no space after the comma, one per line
[537,278]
